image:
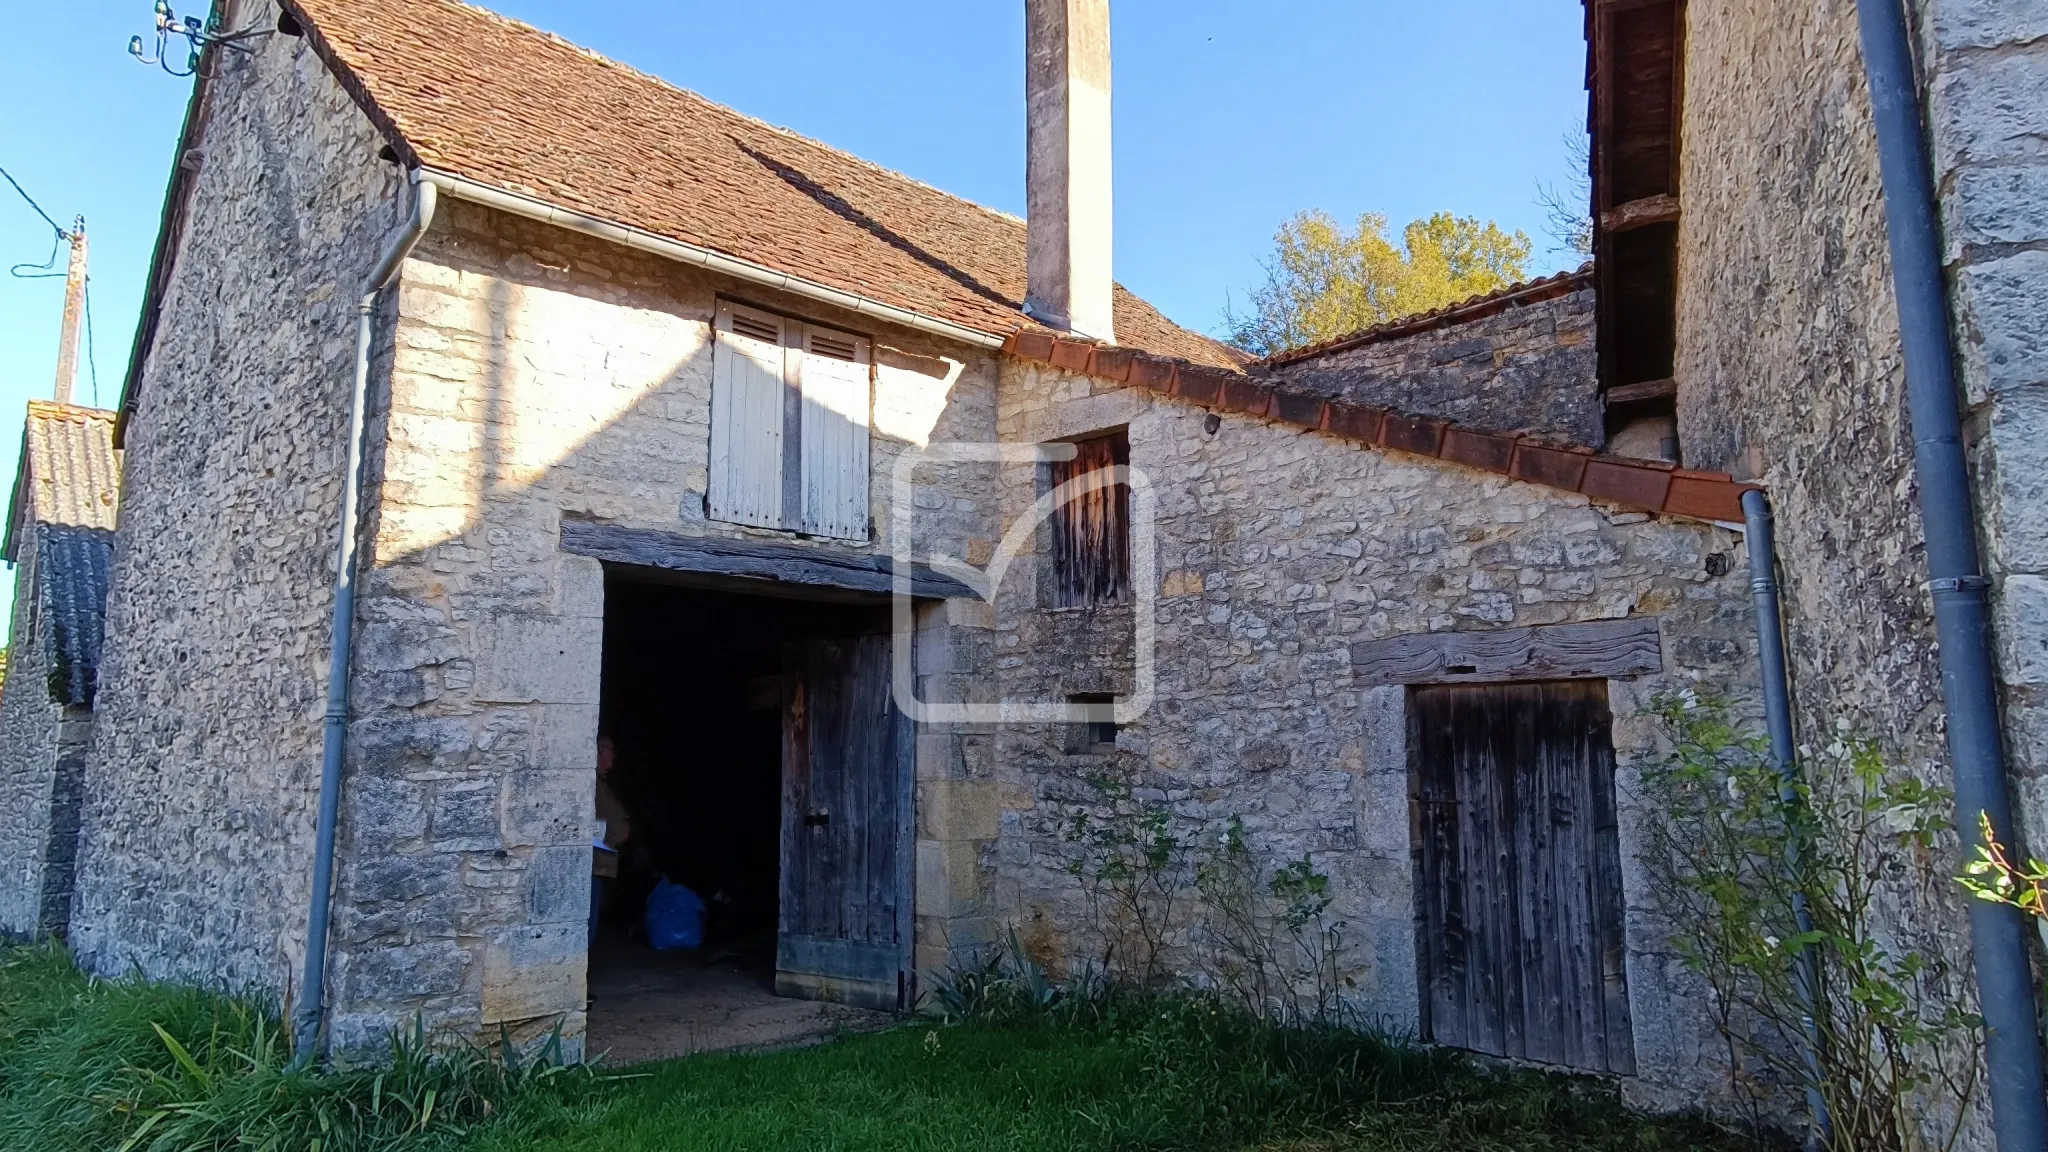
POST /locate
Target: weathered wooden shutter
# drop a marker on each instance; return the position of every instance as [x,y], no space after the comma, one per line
[833,436]
[748,371]
[1091,533]
[1518,873]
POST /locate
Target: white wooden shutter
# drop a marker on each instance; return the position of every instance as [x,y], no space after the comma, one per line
[748,369]
[834,434]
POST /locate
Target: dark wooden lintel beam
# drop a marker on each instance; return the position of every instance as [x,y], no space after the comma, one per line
[1660,209]
[1645,390]
[1598,648]
[763,560]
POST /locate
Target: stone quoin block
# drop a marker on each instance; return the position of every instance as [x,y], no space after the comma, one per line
[536,970]
[558,884]
[537,659]
[550,807]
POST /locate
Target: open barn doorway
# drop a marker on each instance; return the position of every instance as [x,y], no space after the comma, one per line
[750,755]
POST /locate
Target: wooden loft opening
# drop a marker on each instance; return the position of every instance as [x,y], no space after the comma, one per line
[1635,85]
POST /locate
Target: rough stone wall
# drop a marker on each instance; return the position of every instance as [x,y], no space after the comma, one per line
[1526,369]
[536,375]
[1788,354]
[1986,80]
[1276,549]
[28,756]
[41,757]
[195,853]
[1789,367]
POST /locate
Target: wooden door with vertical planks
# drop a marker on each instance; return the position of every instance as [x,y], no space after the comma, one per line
[1518,872]
[844,929]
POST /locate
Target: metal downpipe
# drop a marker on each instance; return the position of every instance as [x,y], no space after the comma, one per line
[311,1007]
[2005,987]
[1760,534]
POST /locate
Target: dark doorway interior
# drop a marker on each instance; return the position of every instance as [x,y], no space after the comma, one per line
[693,702]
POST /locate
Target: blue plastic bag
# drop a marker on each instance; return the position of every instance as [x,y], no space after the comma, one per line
[675,917]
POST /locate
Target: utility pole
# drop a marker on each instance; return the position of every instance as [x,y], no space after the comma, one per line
[74,307]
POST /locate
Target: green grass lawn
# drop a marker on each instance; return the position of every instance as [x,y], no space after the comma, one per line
[1130,1083]
[83,1066]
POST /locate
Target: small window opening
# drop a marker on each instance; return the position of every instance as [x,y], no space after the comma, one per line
[1091,531]
[1096,733]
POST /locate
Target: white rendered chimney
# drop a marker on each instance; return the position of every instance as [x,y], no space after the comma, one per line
[1066,95]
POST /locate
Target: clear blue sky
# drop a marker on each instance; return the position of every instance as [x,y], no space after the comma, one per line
[1230,116]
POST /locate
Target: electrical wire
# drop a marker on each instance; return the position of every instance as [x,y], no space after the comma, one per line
[92,360]
[44,270]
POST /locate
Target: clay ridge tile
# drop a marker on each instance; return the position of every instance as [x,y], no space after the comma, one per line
[1652,485]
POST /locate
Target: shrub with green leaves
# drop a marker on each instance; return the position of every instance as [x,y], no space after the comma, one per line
[1737,850]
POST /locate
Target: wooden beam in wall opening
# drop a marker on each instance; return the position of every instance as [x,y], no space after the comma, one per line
[1646,390]
[1599,648]
[1658,209]
[768,562]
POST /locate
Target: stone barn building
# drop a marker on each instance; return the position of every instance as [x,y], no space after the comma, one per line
[885,541]
[60,539]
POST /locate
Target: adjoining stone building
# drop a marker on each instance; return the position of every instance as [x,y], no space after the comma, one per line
[60,540]
[689,431]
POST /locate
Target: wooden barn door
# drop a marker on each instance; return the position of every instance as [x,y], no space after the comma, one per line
[844,929]
[1518,873]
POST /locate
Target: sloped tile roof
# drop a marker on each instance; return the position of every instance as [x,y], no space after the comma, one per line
[466,91]
[67,492]
[1651,485]
[69,474]
[1491,303]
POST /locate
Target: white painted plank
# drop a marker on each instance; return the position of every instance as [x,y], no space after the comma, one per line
[837,402]
[748,369]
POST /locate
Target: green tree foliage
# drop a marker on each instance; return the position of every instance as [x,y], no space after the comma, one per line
[1324,280]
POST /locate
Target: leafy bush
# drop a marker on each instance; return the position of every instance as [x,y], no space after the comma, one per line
[1766,879]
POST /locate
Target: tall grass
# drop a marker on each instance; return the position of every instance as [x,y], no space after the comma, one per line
[1021,1065]
[136,1067]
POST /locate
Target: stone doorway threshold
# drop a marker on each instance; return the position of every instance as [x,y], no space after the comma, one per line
[648,1005]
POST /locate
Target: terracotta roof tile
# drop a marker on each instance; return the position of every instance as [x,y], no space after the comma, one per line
[466,91]
[1647,484]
